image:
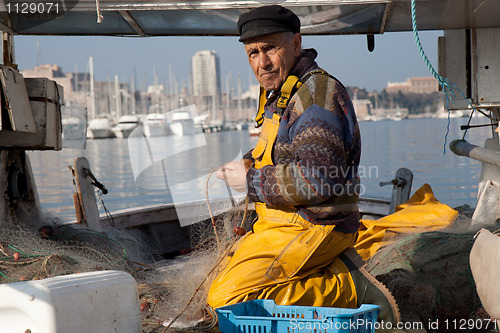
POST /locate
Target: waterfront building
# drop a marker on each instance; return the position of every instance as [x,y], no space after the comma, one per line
[414,85]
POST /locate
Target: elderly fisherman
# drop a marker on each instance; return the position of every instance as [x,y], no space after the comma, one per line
[303,177]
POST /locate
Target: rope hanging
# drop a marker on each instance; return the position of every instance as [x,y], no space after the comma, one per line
[446,85]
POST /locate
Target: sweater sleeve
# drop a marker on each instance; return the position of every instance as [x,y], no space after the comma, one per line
[319,141]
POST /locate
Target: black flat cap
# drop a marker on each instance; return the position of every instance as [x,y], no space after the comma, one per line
[267,20]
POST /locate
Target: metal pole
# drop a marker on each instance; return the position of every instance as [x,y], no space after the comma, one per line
[463,148]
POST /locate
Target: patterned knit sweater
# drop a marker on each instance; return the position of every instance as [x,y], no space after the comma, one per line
[316,153]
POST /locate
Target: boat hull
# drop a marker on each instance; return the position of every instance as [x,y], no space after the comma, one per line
[100,133]
[156,130]
[163,219]
[123,133]
[182,128]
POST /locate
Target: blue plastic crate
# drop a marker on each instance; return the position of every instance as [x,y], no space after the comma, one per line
[264,316]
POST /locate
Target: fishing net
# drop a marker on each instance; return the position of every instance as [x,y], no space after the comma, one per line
[172,291]
[429,272]
[27,254]
[179,302]
[426,272]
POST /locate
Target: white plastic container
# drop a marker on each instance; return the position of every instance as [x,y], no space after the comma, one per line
[94,302]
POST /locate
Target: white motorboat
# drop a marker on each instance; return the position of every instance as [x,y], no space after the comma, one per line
[156,125]
[100,128]
[183,124]
[126,124]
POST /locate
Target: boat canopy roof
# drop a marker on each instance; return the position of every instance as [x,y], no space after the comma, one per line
[218,17]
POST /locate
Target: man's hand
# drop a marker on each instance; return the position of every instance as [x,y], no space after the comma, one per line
[234,174]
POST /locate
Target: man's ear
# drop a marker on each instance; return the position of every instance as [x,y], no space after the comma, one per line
[297,44]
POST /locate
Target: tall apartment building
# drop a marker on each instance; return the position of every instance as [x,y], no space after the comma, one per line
[205,68]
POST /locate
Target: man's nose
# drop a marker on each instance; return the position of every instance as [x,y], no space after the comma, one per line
[264,60]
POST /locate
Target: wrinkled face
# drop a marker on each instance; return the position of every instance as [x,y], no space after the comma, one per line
[272,57]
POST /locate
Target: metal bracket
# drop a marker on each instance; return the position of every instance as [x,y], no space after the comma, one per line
[95,182]
[401,188]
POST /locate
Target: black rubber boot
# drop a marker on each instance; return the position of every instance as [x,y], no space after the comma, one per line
[368,289]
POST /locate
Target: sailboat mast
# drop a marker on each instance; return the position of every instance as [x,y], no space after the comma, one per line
[240,109]
[110,97]
[75,80]
[92,88]
[38,53]
[117,98]
[226,109]
[164,101]
[170,88]
[155,89]
[132,83]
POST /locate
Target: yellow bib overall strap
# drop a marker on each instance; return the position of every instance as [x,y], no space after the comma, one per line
[262,153]
[259,118]
[292,83]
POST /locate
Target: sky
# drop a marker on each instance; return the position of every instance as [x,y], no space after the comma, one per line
[394,59]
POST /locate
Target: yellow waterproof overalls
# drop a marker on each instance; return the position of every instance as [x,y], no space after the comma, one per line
[284,258]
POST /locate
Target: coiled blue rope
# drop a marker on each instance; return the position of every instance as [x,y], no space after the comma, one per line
[445,84]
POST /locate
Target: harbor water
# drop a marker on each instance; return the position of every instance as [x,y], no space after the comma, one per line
[141,172]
